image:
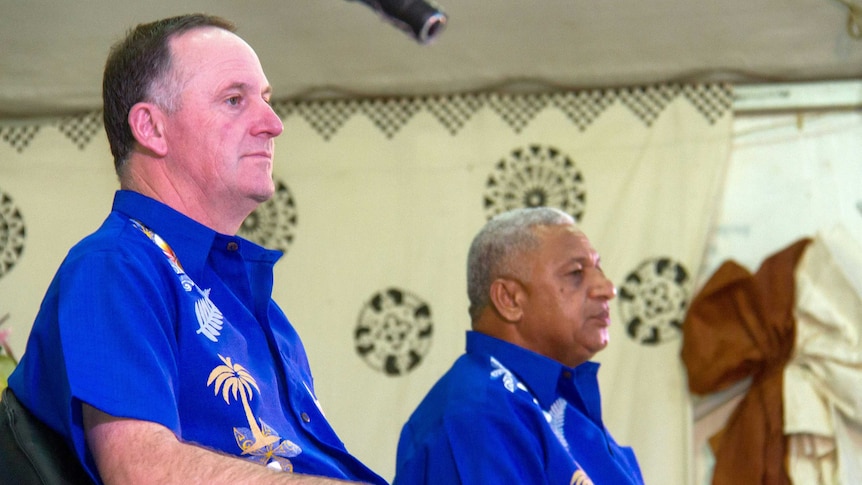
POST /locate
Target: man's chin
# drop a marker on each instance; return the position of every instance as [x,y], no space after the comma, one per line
[261,198]
[602,344]
[264,195]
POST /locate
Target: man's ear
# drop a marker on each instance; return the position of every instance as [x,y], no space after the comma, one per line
[506,296]
[147,123]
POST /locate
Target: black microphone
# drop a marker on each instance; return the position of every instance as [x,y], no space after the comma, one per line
[422,20]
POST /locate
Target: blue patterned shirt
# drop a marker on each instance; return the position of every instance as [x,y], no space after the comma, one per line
[504,414]
[158,318]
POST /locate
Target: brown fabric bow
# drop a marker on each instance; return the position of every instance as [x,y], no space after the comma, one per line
[742,325]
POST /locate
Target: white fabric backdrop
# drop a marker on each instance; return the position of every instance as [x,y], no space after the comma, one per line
[790,176]
[386,194]
[378,212]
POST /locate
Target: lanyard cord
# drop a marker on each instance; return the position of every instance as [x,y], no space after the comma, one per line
[210,318]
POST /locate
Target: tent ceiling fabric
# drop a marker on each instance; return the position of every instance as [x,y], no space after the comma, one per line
[52,52]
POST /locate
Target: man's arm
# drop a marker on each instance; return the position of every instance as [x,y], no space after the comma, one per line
[130,451]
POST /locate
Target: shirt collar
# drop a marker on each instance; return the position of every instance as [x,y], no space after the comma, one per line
[539,373]
[190,240]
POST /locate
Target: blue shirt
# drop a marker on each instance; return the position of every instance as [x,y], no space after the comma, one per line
[158,318]
[504,414]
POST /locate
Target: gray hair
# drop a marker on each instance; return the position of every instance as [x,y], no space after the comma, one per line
[505,235]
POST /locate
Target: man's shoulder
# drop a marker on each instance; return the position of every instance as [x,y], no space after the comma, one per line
[472,382]
[116,237]
[477,393]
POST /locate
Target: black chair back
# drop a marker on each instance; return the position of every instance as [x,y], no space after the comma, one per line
[31,453]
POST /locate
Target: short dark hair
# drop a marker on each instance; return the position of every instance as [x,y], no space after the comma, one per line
[135,66]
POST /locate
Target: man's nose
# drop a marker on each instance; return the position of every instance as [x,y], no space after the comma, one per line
[603,288]
[269,122]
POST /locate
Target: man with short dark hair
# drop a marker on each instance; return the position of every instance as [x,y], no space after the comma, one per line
[158,352]
[522,405]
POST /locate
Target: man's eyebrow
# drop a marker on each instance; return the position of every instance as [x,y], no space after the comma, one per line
[577,260]
[243,86]
[585,260]
[245,89]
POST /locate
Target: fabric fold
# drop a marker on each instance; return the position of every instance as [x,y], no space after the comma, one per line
[740,325]
[822,393]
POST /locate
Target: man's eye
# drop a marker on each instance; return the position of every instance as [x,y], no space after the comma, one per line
[233,100]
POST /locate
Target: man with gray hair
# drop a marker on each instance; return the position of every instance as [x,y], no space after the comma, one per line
[522,405]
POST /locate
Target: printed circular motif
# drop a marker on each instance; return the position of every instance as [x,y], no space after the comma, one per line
[532,177]
[653,300]
[272,224]
[12,234]
[394,331]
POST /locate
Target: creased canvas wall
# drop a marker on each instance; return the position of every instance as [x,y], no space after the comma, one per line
[794,176]
[377,202]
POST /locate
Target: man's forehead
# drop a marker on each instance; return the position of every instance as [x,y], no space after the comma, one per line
[203,33]
[568,237]
[213,49]
[203,42]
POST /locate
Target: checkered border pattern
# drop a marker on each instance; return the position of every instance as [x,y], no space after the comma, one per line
[454,111]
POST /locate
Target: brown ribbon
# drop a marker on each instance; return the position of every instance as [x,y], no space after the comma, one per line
[742,325]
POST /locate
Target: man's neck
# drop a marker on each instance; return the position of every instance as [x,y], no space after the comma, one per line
[194,202]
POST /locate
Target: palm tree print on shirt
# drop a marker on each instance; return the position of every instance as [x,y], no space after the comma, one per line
[260,441]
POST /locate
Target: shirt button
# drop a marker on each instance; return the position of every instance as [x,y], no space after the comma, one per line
[305,418]
[567,375]
[232,246]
